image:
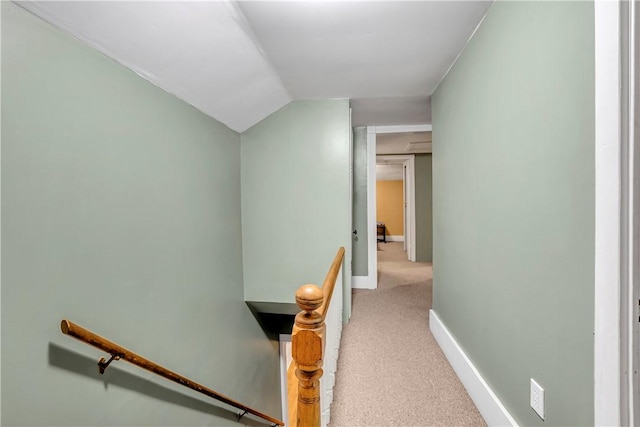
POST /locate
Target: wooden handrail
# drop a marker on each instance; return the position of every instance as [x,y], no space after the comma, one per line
[330,282]
[307,343]
[119,352]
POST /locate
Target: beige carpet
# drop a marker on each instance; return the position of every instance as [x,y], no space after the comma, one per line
[391,371]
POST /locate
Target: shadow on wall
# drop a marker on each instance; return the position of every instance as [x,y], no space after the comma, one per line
[61,357]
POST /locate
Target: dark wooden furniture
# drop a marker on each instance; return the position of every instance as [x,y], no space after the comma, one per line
[381,230]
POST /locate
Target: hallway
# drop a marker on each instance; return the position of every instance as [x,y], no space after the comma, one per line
[391,370]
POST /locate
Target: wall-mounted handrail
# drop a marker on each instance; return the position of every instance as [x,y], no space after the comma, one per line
[307,343]
[119,352]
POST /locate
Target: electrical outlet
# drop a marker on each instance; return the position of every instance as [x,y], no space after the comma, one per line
[537,398]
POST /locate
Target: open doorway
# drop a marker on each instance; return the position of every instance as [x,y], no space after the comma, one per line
[395,201]
[365,150]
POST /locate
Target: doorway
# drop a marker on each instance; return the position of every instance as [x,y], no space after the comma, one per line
[395,201]
[371,280]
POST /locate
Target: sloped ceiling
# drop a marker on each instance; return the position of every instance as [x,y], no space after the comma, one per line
[199,51]
[241,61]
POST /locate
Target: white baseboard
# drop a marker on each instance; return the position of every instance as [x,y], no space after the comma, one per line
[490,407]
[362,282]
[395,238]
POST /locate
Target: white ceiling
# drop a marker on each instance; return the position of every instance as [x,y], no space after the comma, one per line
[391,111]
[403,143]
[241,61]
[390,172]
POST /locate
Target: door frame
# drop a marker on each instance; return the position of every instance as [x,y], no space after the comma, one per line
[372,131]
[617,267]
[629,210]
[347,271]
[405,198]
[410,226]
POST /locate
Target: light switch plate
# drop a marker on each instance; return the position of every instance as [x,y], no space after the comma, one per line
[537,398]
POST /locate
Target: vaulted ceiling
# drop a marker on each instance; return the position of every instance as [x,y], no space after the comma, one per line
[238,62]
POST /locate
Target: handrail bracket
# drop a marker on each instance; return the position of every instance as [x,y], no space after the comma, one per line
[103,364]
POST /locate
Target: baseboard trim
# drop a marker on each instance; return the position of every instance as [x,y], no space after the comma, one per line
[361,282]
[395,238]
[490,407]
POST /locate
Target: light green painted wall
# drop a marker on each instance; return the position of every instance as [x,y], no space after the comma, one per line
[360,245]
[296,209]
[513,172]
[121,212]
[424,214]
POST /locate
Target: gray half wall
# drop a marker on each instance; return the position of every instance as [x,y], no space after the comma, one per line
[514,202]
[296,209]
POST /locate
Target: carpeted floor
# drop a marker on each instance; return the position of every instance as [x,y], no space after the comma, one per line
[391,371]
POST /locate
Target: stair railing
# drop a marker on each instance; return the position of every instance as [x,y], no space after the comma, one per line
[307,343]
[118,352]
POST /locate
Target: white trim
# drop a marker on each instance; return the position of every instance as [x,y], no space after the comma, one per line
[285,340]
[629,231]
[361,282]
[1,204]
[371,192]
[406,224]
[395,238]
[371,208]
[331,352]
[412,235]
[402,128]
[634,214]
[607,370]
[490,407]
[346,295]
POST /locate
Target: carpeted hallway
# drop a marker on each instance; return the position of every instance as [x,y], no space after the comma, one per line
[391,370]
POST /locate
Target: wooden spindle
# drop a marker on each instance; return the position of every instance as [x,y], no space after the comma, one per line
[307,349]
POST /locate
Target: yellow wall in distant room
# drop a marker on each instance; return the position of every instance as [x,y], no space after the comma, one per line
[389,206]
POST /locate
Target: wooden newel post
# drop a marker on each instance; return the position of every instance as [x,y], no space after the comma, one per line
[307,349]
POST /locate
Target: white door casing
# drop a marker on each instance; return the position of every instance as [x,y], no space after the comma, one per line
[405,216]
[615,215]
[371,281]
[409,190]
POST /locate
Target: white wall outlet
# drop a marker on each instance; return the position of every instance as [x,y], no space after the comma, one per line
[537,398]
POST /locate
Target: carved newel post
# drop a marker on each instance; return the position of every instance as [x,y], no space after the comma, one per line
[307,350]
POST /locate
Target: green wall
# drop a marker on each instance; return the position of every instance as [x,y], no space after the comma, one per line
[296,209]
[424,202]
[360,244]
[121,212]
[513,172]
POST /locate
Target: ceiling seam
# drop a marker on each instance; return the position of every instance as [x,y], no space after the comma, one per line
[463,48]
[242,21]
